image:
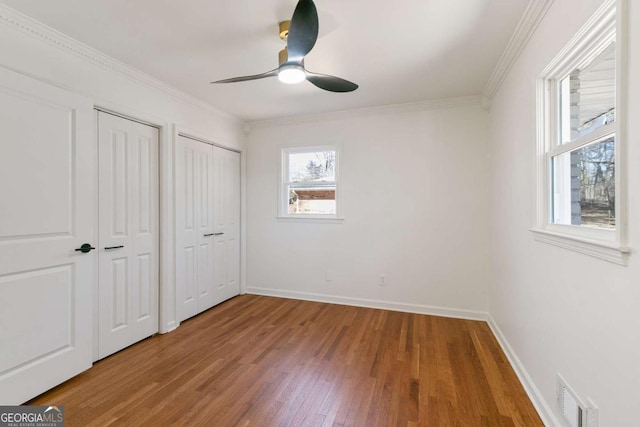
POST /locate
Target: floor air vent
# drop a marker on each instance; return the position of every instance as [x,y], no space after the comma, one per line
[570,406]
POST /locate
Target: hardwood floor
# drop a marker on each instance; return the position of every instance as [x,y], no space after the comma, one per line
[264,361]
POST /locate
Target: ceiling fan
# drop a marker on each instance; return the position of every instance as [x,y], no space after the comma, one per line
[300,34]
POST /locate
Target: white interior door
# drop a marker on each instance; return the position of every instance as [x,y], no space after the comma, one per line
[194,217]
[47,210]
[226,202]
[128,241]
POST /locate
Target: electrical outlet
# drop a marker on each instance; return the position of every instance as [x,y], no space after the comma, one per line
[592,414]
[382,280]
[328,277]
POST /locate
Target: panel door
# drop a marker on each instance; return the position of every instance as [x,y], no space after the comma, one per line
[128,240]
[226,202]
[194,217]
[47,210]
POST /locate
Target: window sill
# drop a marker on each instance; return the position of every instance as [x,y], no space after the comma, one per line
[604,251]
[311,219]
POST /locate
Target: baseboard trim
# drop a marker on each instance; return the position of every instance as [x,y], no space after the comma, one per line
[169,327]
[369,303]
[545,412]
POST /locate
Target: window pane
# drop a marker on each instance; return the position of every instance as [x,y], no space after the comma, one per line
[588,97]
[313,166]
[584,186]
[312,200]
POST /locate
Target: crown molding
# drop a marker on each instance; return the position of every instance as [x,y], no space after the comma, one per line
[433,104]
[536,9]
[27,25]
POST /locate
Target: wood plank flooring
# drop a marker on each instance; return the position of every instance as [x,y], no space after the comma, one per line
[264,361]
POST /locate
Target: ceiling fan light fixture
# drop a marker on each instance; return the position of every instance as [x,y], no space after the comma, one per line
[291,74]
[300,34]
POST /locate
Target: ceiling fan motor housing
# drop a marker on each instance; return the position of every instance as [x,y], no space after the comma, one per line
[283,57]
[284,30]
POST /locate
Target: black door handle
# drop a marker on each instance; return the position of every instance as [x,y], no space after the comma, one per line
[218,234]
[209,234]
[85,248]
[113,247]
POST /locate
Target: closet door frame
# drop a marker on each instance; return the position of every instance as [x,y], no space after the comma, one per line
[128,231]
[166,296]
[181,131]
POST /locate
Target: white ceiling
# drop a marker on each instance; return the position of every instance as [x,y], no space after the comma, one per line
[397,51]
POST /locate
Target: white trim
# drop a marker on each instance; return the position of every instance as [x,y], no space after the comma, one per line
[593,37]
[126,117]
[207,139]
[541,406]
[526,27]
[600,134]
[317,219]
[243,221]
[167,314]
[455,313]
[38,30]
[433,104]
[170,327]
[622,117]
[611,253]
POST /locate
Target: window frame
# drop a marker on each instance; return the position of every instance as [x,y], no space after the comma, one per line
[283,185]
[607,25]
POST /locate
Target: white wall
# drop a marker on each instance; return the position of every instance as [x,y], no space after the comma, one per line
[33,49]
[562,311]
[415,203]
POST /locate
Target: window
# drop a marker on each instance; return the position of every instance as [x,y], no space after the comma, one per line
[579,143]
[309,183]
[582,154]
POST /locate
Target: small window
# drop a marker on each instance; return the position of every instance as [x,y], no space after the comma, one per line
[580,144]
[309,182]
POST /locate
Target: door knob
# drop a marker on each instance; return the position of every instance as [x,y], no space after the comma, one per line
[85,248]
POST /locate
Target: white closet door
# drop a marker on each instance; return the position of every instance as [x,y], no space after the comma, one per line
[194,217]
[128,223]
[47,210]
[226,202]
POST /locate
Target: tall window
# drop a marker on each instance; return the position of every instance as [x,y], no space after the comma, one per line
[309,182]
[579,142]
[583,151]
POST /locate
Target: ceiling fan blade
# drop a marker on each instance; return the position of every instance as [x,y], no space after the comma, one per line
[245,78]
[331,83]
[303,30]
